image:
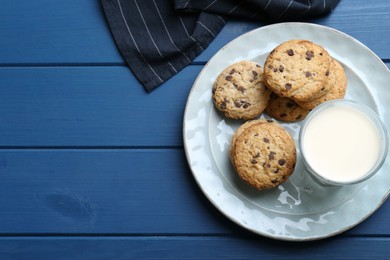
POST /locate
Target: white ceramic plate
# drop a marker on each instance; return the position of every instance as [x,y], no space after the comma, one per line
[299,209]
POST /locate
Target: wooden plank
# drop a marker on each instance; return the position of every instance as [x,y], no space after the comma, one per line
[190,248]
[129,192]
[75,32]
[60,31]
[101,191]
[90,106]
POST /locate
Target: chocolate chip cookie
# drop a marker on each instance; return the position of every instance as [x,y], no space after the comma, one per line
[264,154]
[285,109]
[298,69]
[239,91]
[337,87]
[240,130]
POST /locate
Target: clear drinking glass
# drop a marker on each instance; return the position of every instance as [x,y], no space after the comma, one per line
[343,142]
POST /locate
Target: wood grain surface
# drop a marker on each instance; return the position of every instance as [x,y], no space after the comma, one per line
[93,167]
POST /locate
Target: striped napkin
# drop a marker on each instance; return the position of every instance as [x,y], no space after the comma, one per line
[158,38]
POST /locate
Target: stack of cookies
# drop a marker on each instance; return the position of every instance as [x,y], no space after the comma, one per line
[298,75]
[302,75]
[263,153]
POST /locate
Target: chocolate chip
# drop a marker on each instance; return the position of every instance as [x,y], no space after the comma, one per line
[308,74]
[281,68]
[232,71]
[276,171]
[274,181]
[270,66]
[320,53]
[257,155]
[290,104]
[246,105]
[282,162]
[223,105]
[327,73]
[270,120]
[243,103]
[271,155]
[309,55]
[241,89]
[255,73]
[268,165]
[288,86]
[257,65]
[253,161]
[266,140]
[228,78]
[290,52]
[275,69]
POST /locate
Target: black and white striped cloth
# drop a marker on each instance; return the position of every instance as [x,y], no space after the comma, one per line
[158,38]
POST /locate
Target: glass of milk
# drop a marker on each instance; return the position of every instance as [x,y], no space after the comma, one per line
[343,142]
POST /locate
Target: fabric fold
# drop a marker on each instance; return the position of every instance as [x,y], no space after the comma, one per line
[157,39]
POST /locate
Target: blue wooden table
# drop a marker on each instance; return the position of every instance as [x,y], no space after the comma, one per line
[93,167]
